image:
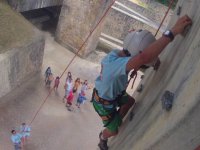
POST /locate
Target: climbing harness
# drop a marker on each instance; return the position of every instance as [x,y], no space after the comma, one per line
[105,104]
[101,100]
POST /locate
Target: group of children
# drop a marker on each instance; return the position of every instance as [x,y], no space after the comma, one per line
[71,89]
[20,138]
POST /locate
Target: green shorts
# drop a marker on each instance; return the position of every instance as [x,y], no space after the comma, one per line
[104,110]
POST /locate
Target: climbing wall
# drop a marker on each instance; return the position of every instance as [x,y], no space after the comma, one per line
[152,127]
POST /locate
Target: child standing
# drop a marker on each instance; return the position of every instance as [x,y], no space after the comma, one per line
[81,96]
[56,83]
[68,88]
[16,139]
[70,100]
[49,80]
[81,99]
[85,86]
[25,132]
[76,85]
[47,73]
[69,76]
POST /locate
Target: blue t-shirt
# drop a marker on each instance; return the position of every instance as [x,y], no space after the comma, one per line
[16,138]
[113,77]
[25,130]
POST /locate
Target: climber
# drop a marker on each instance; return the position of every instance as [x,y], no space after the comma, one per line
[140,49]
[16,138]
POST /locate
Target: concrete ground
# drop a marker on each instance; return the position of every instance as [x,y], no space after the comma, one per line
[54,127]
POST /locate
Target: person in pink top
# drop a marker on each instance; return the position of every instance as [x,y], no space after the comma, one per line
[70,100]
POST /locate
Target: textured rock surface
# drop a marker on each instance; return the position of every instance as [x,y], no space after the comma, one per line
[74,26]
[118,24]
[25,5]
[21,49]
[152,128]
[152,9]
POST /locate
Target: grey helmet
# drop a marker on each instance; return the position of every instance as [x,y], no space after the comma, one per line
[136,41]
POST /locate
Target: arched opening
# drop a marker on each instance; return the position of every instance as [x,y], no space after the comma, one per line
[45,19]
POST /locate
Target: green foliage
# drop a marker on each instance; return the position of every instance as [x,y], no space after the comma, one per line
[167,2]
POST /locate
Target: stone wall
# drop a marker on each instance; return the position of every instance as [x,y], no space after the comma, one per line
[75,26]
[151,9]
[118,24]
[154,128]
[21,50]
[25,5]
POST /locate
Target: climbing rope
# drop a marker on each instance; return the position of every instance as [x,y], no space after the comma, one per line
[169,7]
[101,19]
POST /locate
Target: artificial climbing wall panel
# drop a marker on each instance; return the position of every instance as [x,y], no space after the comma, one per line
[153,128]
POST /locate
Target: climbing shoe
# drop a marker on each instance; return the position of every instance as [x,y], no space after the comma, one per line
[103,143]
